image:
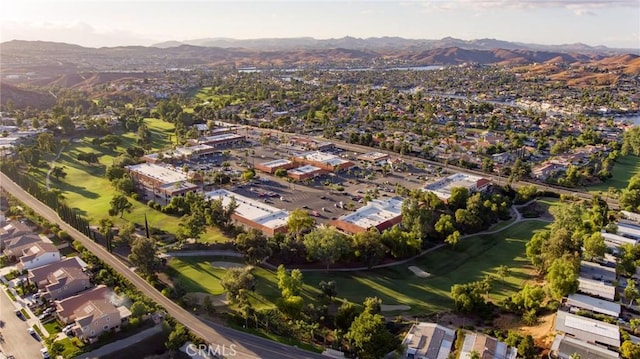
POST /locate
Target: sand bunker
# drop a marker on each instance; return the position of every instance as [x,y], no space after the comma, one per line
[393,307]
[227,265]
[419,272]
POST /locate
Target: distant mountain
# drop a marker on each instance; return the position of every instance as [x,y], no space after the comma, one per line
[387,43]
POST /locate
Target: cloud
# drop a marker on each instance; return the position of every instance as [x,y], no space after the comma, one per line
[579,7]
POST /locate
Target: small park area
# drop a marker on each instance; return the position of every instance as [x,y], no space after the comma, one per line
[624,168]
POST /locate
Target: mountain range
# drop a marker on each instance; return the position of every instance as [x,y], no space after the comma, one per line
[386,43]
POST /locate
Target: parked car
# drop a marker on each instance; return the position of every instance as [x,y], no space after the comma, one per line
[20,315]
[44,353]
[33,333]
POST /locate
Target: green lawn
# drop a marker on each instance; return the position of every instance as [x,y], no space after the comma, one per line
[624,168]
[53,327]
[475,257]
[87,190]
[72,347]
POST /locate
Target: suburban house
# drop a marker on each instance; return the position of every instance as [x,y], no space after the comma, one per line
[488,347]
[11,230]
[594,305]
[428,341]
[38,254]
[11,247]
[61,279]
[378,214]
[93,312]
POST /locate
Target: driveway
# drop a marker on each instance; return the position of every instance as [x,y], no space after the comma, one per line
[15,339]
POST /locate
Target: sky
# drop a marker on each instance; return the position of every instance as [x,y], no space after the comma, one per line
[96,23]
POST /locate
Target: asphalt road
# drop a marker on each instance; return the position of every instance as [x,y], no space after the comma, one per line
[244,345]
[15,339]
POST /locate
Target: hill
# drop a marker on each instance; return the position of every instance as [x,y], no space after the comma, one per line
[23,98]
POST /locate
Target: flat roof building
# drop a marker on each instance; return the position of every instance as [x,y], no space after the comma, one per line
[326,161]
[163,181]
[588,330]
[428,341]
[597,272]
[597,288]
[593,304]
[272,166]
[629,231]
[220,140]
[486,346]
[442,187]
[379,214]
[252,213]
[373,157]
[311,144]
[563,347]
[305,172]
[616,240]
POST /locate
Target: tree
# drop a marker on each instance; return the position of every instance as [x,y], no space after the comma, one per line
[527,348]
[594,246]
[453,238]
[631,291]
[530,297]
[177,337]
[445,226]
[119,205]
[235,280]
[347,313]
[458,198]
[138,309]
[58,172]
[290,283]
[328,288]
[326,244]
[372,305]
[191,226]
[629,350]
[369,336]
[253,245]
[563,277]
[299,222]
[467,297]
[474,355]
[368,246]
[503,272]
[144,255]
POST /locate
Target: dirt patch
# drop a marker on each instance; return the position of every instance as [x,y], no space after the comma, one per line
[198,298]
[419,272]
[542,332]
[227,265]
[393,307]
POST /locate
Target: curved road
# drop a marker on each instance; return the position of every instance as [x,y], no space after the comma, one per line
[245,345]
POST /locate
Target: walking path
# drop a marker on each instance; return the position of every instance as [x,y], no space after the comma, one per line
[51,167]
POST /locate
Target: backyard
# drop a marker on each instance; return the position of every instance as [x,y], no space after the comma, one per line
[474,257]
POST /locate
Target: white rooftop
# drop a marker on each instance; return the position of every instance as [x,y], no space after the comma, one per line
[594,304]
[442,187]
[372,156]
[323,157]
[222,137]
[276,163]
[375,213]
[256,211]
[160,173]
[629,231]
[304,170]
[598,288]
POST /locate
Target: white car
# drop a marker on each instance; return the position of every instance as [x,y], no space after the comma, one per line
[45,353]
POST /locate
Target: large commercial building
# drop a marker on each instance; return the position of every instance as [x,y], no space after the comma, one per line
[181,153]
[253,214]
[305,172]
[376,158]
[162,181]
[272,166]
[223,140]
[326,161]
[442,187]
[379,214]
